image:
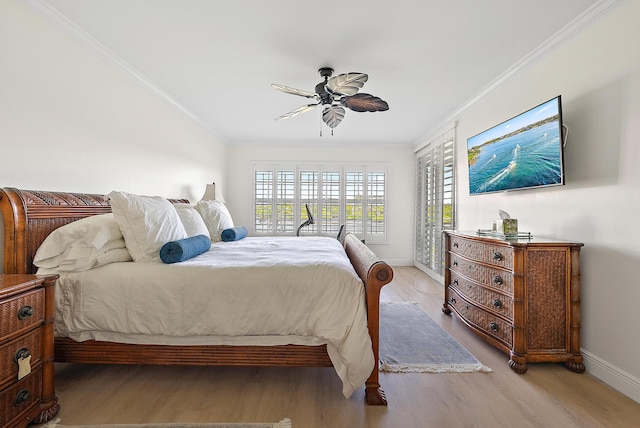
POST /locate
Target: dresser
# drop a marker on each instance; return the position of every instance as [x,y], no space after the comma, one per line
[521,295]
[26,349]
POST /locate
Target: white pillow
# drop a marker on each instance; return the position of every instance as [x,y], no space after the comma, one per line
[216,216]
[146,223]
[113,256]
[79,261]
[89,234]
[191,220]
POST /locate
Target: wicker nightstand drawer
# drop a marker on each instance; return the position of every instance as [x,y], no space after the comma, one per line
[496,255]
[21,398]
[11,350]
[489,299]
[21,312]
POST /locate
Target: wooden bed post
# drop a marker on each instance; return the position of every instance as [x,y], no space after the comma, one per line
[375,274]
[14,246]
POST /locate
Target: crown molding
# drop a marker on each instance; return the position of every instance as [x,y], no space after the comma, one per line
[52,16]
[588,18]
[596,12]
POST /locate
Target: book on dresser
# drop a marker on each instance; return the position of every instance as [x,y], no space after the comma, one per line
[520,294]
[26,349]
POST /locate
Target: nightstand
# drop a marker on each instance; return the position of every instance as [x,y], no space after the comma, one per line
[26,349]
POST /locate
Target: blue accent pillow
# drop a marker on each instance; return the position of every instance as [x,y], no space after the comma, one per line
[234,234]
[184,249]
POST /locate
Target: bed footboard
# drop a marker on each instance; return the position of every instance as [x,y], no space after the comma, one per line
[375,274]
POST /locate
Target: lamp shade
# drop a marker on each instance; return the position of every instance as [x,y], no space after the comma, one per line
[212,192]
[209,193]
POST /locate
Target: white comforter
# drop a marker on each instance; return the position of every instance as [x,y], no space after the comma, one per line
[257,291]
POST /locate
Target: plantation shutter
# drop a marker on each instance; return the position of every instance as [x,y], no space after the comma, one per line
[331,202]
[309,195]
[285,201]
[435,202]
[341,194]
[263,201]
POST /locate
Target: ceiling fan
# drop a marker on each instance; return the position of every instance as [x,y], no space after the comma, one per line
[335,93]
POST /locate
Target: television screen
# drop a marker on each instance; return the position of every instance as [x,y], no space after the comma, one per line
[520,153]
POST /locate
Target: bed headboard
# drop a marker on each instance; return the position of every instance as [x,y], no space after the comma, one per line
[31,215]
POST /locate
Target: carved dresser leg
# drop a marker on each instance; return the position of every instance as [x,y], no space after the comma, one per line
[519,368]
[575,365]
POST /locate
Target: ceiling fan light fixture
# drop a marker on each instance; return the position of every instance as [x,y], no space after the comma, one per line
[332,115]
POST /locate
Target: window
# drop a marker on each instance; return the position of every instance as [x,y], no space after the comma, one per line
[263,201]
[435,202]
[285,201]
[337,194]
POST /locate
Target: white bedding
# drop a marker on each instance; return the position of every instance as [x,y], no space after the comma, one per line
[256,291]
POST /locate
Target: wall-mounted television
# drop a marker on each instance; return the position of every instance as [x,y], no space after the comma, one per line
[523,152]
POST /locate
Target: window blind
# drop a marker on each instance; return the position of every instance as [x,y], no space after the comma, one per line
[435,202]
[353,195]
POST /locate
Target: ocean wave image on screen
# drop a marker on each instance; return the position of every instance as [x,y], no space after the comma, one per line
[529,158]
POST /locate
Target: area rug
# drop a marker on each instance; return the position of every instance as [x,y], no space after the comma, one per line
[410,341]
[284,423]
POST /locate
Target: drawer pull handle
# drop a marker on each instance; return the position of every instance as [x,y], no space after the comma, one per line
[493,326]
[497,303]
[497,255]
[455,245]
[22,397]
[455,263]
[453,300]
[455,282]
[22,353]
[25,312]
[497,279]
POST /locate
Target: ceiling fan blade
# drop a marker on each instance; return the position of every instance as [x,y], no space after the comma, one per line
[332,115]
[346,84]
[295,91]
[364,102]
[297,111]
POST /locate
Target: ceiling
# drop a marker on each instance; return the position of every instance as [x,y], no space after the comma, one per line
[216,60]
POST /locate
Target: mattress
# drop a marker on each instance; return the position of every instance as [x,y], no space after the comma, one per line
[255,291]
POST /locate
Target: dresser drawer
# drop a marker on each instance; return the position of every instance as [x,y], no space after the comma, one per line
[499,279]
[21,312]
[488,323]
[21,397]
[489,299]
[484,252]
[8,352]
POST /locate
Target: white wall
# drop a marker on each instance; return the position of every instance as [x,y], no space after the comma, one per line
[598,75]
[69,121]
[399,250]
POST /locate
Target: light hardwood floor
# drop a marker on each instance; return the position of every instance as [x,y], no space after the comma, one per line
[548,395]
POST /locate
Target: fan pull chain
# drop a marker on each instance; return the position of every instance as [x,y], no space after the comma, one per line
[321,123]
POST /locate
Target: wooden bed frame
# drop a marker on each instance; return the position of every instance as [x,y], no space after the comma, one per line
[30,216]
